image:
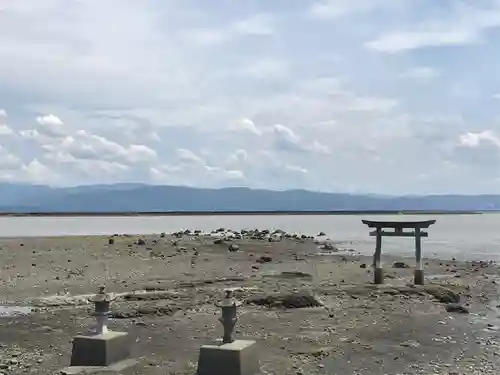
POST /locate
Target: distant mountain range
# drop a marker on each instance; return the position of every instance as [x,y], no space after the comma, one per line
[122,198]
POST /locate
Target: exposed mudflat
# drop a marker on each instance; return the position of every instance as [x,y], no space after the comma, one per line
[311,310]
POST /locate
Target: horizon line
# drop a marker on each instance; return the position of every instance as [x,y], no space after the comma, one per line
[246,212]
[143,184]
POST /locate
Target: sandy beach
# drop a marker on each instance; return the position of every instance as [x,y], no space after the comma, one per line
[312,308]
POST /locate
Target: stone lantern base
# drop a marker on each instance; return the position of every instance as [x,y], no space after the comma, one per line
[110,351]
[237,358]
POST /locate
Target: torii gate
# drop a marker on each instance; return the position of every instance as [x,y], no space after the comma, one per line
[398,231]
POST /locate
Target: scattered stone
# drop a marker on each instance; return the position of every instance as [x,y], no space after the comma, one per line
[328,246]
[362,265]
[288,301]
[139,311]
[264,259]
[218,241]
[233,247]
[400,265]
[141,242]
[457,308]
[410,344]
[442,294]
[289,275]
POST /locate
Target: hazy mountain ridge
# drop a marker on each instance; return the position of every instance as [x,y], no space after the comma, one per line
[19,198]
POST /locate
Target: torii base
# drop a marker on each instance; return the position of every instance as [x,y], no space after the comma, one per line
[418,277]
[237,358]
[109,351]
[378,276]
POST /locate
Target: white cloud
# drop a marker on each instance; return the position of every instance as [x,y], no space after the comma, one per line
[83,145]
[51,126]
[481,150]
[260,24]
[246,125]
[238,157]
[5,130]
[255,25]
[287,140]
[36,172]
[266,69]
[189,157]
[337,8]
[49,120]
[8,161]
[286,137]
[403,41]
[465,24]
[225,174]
[296,168]
[319,148]
[477,139]
[421,73]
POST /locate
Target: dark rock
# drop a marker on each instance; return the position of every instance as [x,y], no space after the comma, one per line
[288,301]
[290,275]
[457,308]
[135,312]
[294,274]
[328,246]
[218,241]
[233,247]
[264,259]
[141,242]
[400,265]
[321,234]
[442,294]
[362,265]
[111,241]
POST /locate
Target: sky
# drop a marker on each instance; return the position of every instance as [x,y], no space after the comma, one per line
[360,96]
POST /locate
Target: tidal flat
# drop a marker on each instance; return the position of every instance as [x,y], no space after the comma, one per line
[309,302]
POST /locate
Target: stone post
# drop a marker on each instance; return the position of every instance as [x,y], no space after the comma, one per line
[419,272]
[102,348]
[378,272]
[232,357]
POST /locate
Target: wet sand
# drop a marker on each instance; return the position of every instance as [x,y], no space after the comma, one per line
[311,310]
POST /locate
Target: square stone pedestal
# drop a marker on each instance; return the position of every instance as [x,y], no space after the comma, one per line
[109,351]
[237,358]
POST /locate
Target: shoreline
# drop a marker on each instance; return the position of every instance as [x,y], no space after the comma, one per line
[244,213]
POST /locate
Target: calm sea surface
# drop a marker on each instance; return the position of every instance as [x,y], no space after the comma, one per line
[462,236]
